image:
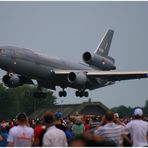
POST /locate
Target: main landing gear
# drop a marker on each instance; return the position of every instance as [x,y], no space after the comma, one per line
[78,93]
[81,93]
[62,93]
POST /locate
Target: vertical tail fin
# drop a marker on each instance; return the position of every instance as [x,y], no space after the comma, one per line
[104,46]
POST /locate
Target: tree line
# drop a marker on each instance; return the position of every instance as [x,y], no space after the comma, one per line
[21,99]
[128,111]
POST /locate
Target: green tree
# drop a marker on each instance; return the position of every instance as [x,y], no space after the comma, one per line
[20,99]
[145,109]
[123,110]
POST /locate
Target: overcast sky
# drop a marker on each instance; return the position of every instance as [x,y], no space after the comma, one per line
[68,29]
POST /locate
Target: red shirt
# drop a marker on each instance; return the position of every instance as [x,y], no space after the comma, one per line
[87,127]
[37,131]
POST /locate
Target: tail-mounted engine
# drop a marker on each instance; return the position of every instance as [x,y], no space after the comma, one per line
[98,61]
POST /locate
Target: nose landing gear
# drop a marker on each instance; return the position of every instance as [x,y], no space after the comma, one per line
[39,95]
[62,93]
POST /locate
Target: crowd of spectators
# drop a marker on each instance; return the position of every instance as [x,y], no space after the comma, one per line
[75,131]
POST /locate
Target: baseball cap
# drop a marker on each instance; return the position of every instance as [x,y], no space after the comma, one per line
[116,115]
[138,111]
[38,121]
[58,115]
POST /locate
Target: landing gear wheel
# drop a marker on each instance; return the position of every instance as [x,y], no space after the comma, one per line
[77,93]
[86,94]
[62,93]
[81,93]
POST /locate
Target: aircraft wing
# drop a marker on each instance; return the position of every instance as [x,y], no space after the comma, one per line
[118,76]
[108,75]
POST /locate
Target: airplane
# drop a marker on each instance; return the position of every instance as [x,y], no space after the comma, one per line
[98,70]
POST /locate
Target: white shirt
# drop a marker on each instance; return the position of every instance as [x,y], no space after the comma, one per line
[54,137]
[111,131]
[138,130]
[21,136]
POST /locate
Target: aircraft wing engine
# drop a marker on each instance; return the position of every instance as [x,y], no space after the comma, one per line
[14,80]
[78,78]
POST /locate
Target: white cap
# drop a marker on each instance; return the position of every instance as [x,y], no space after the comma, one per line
[138,111]
[116,115]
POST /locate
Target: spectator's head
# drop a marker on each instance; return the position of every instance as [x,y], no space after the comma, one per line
[77,114]
[22,118]
[78,120]
[58,115]
[109,116]
[87,121]
[138,113]
[78,141]
[48,118]
[38,121]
